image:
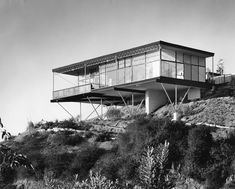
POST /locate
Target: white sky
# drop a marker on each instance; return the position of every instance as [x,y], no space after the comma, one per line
[38,35]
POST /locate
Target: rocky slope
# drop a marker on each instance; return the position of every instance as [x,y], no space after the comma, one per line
[219,111]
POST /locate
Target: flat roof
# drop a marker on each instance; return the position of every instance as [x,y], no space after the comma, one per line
[127,53]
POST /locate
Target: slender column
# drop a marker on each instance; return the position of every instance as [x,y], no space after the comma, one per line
[212,68]
[53,85]
[101,102]
[175,96]
[132,99]
[80,111]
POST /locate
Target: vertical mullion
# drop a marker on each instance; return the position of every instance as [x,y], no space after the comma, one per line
[160,51]
[145,63]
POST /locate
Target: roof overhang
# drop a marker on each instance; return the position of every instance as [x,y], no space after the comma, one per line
[72,68]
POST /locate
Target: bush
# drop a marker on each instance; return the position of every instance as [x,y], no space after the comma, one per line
[31,128]
[222,155]
[114,166]
[113,113]
[105,136]
[152,132]
[84,161]
[74,139]
[198,154]
[66,124]
[96,180]
[58,164]
[65,138]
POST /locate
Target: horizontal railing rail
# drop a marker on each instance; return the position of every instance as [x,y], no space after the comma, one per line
[72,91]
[225,78]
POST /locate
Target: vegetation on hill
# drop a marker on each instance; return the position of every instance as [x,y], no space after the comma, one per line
[140,157]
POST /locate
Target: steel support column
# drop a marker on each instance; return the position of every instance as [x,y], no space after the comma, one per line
[168,96]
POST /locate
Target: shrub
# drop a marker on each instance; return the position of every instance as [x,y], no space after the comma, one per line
[65,138]
[58,164]
[114,166]
[84,161]
[31,128]
[105,136]
[152,132]
[113,113]
[198,154]
[152,170]
[96,180]
[68,124]
[222,155]
[74,139]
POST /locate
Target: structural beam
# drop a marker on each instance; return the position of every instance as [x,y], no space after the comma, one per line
[185,95]
[168,96]
[94,107]
[92,112]
[129,90]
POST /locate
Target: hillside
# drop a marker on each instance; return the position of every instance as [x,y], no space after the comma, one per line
[63,152]
[219,111]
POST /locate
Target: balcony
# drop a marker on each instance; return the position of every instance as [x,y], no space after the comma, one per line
[72,91]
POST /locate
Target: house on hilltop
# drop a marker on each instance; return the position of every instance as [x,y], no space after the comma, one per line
[151,74]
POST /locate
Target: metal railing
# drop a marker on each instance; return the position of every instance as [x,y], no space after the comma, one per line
[225,78]
[72,91]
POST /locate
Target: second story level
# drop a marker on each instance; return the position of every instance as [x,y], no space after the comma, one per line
[158,59]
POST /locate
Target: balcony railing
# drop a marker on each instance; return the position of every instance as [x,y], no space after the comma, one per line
[225,78]
[72,91]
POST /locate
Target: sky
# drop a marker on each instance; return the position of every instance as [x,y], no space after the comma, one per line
[39,35]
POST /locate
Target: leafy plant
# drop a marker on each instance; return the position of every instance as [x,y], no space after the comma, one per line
[97,181]
[10,160]
[152,170]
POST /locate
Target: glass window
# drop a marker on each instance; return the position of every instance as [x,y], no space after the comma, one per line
[87,80]
[138,72]
[180,71]
[102,79]
[128,62]
[81,82]
[111,78]
[156,68]
[102,68]
[187,72]
[128,74]
[111,66]
[168,55]
[202,74]
[121,76]
[121,63]
[179,57]
[138,60]
[81,77]
[96,79]
[152,56]
[187,59]
[168,69]
[202,61]
[149,70]
[92,70]
[194,60]
[195,73]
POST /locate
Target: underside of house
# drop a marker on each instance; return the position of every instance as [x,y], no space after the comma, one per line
[151,74]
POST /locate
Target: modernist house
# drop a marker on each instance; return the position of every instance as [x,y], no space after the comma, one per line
[151,74]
